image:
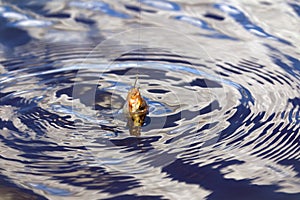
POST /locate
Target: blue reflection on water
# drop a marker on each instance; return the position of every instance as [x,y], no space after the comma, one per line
[99,6]
[162,4]
[51,190]
[244,21]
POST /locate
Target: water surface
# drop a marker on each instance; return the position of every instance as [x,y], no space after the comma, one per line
[221,79]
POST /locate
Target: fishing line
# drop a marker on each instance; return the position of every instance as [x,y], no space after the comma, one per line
[136,79]
[139,42]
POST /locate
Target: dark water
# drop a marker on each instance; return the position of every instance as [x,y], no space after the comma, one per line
[221,79]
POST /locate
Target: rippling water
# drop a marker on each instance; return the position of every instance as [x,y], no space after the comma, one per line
[221,79]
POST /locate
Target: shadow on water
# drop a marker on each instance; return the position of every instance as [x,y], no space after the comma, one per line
[12,37]
[210,177]
[11,191]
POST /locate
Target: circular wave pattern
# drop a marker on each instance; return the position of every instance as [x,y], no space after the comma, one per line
[70,120]
[214,123]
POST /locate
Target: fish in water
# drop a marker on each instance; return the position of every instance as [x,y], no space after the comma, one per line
[137,110]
